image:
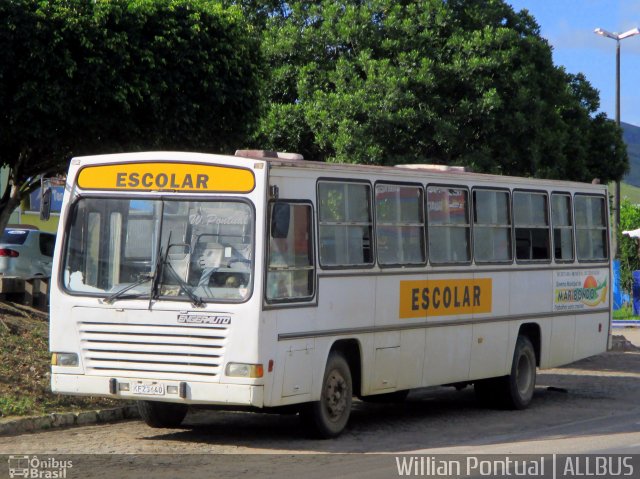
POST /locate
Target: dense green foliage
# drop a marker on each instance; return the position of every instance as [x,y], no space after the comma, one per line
[458,82]
[461,82]
[628,248]
[81,76]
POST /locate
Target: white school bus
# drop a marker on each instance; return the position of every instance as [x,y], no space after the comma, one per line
[267,282]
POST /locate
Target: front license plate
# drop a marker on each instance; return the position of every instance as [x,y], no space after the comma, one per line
[149,389]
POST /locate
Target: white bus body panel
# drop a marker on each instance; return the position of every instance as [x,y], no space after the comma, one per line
[90,328]
[359,305]
[441,349]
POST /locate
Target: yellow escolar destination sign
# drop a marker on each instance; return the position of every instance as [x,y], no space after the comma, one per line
[444,297]
[167,176]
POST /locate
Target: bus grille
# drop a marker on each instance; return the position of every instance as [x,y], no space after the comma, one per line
[152,351]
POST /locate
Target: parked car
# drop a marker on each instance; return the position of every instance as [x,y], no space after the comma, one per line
[26,252]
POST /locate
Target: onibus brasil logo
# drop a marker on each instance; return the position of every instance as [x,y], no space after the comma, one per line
[590,293]
[38,467]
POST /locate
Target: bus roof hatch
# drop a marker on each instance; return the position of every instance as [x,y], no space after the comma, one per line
[266,154]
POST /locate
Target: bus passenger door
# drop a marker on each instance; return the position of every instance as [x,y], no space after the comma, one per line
[290,288]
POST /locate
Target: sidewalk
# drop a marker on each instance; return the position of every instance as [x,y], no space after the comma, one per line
[632,334]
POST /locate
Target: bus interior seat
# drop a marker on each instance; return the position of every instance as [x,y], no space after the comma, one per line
[210,255]
[179,258]
[180,264]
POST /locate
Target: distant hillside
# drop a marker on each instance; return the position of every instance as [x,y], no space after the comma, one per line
[632,193]
[631,135]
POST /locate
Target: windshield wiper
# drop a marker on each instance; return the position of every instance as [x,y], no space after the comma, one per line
[118,294]
[184,286]
[157,274]
[161,263]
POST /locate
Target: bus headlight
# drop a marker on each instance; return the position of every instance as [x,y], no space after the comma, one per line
[240,370]
[64,359]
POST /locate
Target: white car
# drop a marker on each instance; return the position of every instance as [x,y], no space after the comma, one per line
[25,252]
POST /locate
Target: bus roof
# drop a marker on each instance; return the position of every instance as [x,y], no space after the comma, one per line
[294,160]
[430,171]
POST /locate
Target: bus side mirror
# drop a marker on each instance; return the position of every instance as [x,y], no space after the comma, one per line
[280,215]
[45,203]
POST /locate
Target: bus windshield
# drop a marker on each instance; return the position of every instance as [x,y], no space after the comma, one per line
[174,249]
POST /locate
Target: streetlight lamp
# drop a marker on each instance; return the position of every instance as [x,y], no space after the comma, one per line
[616,194]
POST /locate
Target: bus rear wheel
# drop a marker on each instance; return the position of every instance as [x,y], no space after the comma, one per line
[328,417]
[514,391]
[162,414]
[519,385]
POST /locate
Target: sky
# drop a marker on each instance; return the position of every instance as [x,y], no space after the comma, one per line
[569,27]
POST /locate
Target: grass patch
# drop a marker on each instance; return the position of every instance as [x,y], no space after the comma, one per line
[16,406]
[25,371]
[626,312]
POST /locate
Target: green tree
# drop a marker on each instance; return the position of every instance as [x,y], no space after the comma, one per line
[467,82]
[628,248]
[81,76]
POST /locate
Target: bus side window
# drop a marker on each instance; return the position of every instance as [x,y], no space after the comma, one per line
[290,270]
[345,224]
[448,225]
[492,226]
[591,228]
[400,234]
[531,226]
[562,220]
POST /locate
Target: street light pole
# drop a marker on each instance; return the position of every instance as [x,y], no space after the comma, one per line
[616,192]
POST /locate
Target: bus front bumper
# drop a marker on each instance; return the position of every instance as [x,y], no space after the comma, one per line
[160,390]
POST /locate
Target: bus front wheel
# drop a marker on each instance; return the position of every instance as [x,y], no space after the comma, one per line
[161,414]
[328,417]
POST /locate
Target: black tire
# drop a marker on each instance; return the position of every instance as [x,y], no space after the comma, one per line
[328,417]
[162,414]
[514,391]
[520,384]
[395,397]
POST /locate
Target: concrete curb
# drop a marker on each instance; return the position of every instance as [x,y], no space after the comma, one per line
[15,426]
[627,323]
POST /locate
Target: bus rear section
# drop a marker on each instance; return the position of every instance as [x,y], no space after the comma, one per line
[156,296]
